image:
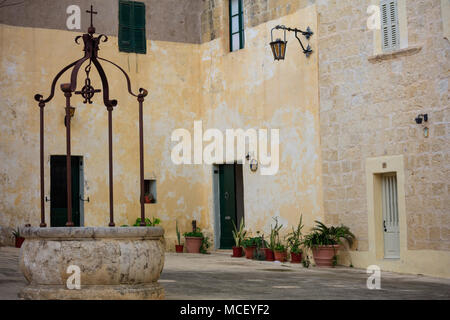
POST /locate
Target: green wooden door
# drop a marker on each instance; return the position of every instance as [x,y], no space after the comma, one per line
[58,191]
[227,204]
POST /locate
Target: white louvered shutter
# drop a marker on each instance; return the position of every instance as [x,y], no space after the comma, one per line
[390,39]
[390,217]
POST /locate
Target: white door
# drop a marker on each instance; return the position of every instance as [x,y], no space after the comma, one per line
[390,216]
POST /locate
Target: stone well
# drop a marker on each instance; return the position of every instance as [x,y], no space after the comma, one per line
[115,262]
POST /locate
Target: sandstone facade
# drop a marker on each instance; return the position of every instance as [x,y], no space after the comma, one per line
[340,111]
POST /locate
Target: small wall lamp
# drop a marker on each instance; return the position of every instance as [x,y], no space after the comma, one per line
[424,118]
[421,117]
[279,46]
[72,113]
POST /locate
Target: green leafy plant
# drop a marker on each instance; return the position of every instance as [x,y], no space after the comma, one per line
[248,242]
[205,245]
[334,261]
[274,234]
[259,241]
[306,262]
[253,242]
[178,233]
[280,247]
[294,238]
[322,235]
[148,222]
[16,233]
[239,235]
[197,233]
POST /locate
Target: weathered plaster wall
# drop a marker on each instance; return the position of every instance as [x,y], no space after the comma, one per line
[170,71]
[186,82]
[248,89]
[367,109]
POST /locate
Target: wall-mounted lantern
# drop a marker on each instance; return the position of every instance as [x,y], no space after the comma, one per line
[423,118]
[279,46]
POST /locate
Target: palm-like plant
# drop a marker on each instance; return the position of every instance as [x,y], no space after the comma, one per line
[239,235]
[16,233]
[275,235]
[178,233]
[294,238]
[323,235]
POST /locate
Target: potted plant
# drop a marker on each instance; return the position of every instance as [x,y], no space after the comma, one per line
[205,245]
[324,242]
[18,238]
[280,252]
[179,246]
[261,246]
[249,245]
[274,238]
[294,242]
[148,222]
[239,236]
[148,197]
[193,240]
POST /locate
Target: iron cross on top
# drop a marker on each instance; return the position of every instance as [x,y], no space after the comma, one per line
[91,12]
[91,29]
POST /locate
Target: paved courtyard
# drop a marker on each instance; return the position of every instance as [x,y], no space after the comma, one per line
[218,276]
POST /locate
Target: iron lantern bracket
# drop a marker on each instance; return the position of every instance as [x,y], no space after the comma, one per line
[308,33]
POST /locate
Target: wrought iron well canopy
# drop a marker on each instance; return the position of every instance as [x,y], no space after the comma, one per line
[91,48]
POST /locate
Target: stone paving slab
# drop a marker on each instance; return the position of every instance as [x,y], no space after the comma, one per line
[220,277]
[11,279]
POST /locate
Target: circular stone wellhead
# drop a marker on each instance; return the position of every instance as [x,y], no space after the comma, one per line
[113,262]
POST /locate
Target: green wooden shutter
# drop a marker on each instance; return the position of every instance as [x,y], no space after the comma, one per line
[140,43]
[132,27]
[125,26]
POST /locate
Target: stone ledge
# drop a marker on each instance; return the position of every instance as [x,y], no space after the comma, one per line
[89,233]
[394,54]
[148,291]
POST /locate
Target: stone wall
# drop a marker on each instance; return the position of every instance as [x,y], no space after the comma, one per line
[367,109]
[168,20]
[215,15]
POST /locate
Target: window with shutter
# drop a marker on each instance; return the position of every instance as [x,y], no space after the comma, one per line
[236,25]
[390,39]
[132,27]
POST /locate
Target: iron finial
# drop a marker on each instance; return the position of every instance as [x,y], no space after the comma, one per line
[91,29]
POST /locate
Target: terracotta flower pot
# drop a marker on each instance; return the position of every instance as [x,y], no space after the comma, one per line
[237,252]
[179,248]
[249,252]
[296,257]
[280,256]
[269,254]
[19,241]
[193,244]
[323,255]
